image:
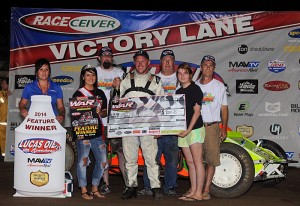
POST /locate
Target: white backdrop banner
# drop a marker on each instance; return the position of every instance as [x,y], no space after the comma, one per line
[257,58]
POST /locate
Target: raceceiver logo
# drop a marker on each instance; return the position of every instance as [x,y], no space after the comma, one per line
[69,22]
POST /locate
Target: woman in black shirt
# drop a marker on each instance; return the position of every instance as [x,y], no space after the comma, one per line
[192,139]
[88,88]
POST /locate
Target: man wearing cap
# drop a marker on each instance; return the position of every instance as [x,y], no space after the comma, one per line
[108,75]
[214,111]
[140,83]
[167,144]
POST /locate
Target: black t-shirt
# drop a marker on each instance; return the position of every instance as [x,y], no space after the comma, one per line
[193,95]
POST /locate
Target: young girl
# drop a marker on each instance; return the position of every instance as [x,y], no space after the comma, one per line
[88,88]
[191,140]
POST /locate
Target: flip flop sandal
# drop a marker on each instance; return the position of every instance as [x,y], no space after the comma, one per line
[86,196]
[206,196]
[182,197]
[97,194]
[191,199]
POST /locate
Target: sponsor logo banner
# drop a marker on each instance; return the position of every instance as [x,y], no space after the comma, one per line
[39,178]
[247,86]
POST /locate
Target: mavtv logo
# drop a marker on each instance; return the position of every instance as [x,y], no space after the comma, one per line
[252,64]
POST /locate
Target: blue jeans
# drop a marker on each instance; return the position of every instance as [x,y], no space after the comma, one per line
[167,145]
[98,147]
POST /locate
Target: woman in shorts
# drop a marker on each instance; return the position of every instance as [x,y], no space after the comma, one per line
[192,139]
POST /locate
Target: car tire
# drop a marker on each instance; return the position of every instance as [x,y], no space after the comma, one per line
[235,175]
[71,158]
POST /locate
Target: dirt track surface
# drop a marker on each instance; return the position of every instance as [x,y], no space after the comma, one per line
[287,193]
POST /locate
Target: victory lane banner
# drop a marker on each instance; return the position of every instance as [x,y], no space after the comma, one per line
[152,115]
[84,119]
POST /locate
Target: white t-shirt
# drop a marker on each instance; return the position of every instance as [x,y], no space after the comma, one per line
[105,79]
[169,83]
[214,96]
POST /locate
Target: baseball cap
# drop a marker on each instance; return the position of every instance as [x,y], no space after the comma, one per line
[105,50]
[209,58]
[167,52]
[141,53]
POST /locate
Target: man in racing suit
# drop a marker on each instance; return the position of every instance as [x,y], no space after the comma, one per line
[140,83]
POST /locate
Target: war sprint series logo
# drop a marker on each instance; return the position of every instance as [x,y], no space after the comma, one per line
[83,102]
[69,22]
[124,106]
[39,146]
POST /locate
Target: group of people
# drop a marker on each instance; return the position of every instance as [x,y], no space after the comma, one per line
[200,142]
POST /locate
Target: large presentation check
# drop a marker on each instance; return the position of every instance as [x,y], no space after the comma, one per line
[153,115]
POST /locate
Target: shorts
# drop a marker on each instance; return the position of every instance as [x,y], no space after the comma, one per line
[196,135]
[211,146]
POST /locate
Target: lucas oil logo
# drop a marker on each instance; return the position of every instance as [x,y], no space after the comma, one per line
[39,146]
[69,22]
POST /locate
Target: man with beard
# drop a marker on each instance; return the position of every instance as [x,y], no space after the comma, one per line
[108,75]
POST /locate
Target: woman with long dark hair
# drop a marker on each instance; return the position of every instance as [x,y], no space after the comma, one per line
[88,88]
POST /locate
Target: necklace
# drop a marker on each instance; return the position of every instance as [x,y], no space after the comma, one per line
[44,90]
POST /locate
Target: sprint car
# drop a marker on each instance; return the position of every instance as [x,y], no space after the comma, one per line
[242,162]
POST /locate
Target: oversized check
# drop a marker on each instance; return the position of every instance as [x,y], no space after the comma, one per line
[142,116]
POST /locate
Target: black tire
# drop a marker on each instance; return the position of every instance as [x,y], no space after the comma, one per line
[180,161]
[235,175]
[277,150]
[71,157]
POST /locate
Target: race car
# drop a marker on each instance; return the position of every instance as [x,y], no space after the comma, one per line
[242,162]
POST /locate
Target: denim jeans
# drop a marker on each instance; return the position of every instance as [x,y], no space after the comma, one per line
[167,145]
[98,147]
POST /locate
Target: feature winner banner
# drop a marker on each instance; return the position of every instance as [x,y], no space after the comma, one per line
[153,115]
[257,58]
[84,119]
